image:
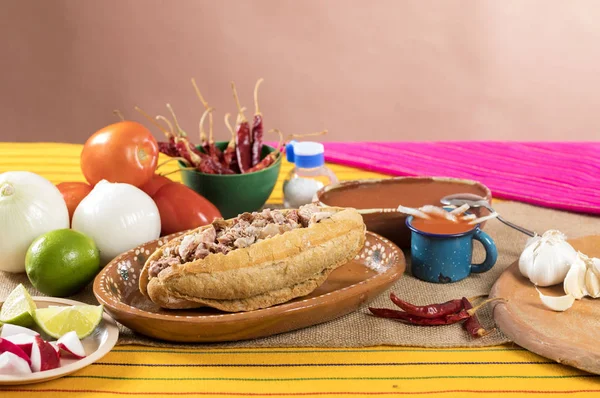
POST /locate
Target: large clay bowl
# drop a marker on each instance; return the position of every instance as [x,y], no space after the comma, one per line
[377,200]
[376,268]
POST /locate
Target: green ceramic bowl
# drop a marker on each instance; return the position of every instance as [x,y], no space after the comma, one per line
[234,194]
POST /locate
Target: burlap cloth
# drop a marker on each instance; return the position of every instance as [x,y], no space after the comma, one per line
[360,329]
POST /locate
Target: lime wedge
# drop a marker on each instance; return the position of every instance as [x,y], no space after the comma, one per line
[56,321]
[18,309]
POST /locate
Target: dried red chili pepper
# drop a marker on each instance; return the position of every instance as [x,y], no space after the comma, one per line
[472,324]
[204,142]
[257,128]
[187,153]
[461,315]
[242,139]
[217,167]
[420,321]
[168,148]
[431,310]
[271,157]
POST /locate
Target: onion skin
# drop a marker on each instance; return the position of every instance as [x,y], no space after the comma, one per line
[30,206]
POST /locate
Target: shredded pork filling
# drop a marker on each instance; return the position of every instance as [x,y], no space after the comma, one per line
[246,229]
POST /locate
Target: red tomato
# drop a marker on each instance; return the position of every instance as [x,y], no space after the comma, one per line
[122,152]
[154,184]
[73,193]
[181,208]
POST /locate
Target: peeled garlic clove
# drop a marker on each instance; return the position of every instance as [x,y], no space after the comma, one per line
[574,283]
[595,266]
[560,304]
[592,283]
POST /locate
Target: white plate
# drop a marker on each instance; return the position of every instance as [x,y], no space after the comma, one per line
[96,345]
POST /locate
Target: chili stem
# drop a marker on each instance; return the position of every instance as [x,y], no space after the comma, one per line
[475,309]
[151,120]
[256,109]
[200,97]
[227,116]
[237,102]
[210,128]
[486,332]
[167,122]
[308,134]
[471,299]
[119,114]
[201,125]
[176,171]
[281,139]
[239,118]
[170,160]
[179,130]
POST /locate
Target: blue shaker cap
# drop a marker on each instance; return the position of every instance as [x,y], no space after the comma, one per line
[309,154]
[289,151]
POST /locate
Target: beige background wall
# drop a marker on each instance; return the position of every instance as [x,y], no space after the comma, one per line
[380,70]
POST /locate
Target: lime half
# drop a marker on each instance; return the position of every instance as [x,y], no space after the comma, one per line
[18,309]
[56,321]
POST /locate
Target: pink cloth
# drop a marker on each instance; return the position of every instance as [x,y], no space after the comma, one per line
[557,175]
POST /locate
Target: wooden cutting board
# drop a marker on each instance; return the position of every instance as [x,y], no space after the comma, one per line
[571,337]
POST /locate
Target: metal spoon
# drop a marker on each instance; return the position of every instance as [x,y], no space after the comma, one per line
[475,201]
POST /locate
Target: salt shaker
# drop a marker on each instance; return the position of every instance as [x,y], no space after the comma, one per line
[308,175]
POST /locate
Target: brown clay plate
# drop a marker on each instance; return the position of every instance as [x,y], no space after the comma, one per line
[569,337]
[378,266]
[378,199]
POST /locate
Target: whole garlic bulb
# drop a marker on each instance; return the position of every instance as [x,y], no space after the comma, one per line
[546,259]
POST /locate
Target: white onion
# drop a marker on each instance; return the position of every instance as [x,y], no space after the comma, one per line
[118,217]
[30,206]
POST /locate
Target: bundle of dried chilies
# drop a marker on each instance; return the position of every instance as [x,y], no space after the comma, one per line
[448,313]
[242,154]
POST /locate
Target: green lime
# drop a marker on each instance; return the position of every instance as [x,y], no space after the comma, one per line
[18,308]
[62,262]
[56,321]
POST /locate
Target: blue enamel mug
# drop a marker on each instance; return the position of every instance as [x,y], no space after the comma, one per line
[446,258]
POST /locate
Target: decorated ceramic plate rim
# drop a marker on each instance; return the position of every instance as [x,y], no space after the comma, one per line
[112,335]
[343,184]
[109,300]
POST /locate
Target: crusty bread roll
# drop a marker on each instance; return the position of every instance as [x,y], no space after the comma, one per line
[266,273]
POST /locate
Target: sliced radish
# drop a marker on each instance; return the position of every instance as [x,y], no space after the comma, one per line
[11,330]
[71,344]
[56,347]
[8,346]
[43,356]
[13,365]
[23,341]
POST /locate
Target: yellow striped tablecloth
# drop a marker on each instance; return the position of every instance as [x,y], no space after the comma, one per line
[377,371]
